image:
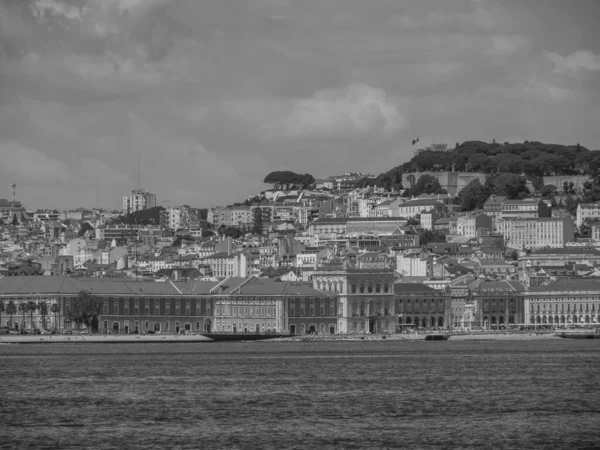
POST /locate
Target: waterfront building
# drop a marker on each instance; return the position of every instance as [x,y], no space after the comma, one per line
[366,297]
[498,303]
[232,305]
[574,301]
[420,306]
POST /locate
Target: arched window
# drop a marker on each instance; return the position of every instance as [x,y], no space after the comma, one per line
[362,308]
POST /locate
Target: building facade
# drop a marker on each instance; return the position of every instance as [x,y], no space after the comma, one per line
[366,297]
[530,233]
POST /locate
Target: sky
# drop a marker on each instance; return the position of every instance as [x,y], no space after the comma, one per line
[215,94]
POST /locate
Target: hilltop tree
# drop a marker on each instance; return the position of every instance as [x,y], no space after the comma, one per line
[508,184]
[15,221]
[426,184]
[289,180]
[473,196]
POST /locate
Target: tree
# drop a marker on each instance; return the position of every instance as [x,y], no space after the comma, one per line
[23,309]
[1,222]
[427,184]
[55,309]
[511,185]
[15,221]
[289,180]
[11,309]
[427,236]
[31,307]
[548,191]
[473,196]
[586,227]
[514,255]
[2,309]
[43,309]
[571,204]
[84,309]
[85,226]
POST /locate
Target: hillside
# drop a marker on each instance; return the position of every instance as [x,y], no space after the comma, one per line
[534,159]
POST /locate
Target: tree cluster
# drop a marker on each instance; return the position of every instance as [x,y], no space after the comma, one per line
[534,159]
[144,217]
[426,184]
[289,180]
[509,185]
[84,309]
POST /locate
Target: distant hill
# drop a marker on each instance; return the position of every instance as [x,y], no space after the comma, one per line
[535,159]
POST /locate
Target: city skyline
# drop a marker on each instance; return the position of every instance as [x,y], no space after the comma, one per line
[213,92]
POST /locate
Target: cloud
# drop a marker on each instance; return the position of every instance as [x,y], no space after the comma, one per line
[355,110]
[40,7]
[574,62]
[23,163]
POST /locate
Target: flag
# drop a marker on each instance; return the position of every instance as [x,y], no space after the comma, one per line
[415,141]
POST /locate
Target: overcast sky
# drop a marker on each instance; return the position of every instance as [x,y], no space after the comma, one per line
[215,94]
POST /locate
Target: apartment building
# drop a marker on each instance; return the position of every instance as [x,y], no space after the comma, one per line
[536,233]
[528,208]
[468,225]
[587,211]
[138,201]
[413,208]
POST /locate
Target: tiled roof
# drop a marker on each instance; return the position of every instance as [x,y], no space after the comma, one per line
[412,287]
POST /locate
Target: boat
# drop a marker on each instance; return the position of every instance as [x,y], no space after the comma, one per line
[585,333]
[436,337]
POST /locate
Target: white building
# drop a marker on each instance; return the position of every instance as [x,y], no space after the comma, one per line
[552,232]
[587,211]
[411,265]
[138,201]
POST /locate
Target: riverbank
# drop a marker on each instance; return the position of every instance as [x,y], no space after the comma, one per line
[141,339]
[100,338]
[476,336]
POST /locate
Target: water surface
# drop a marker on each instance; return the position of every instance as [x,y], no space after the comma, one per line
[470,394]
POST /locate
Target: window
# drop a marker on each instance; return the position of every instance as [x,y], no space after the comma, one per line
[378,288]
[370,288]
[146,325]
[208,308]
[188,306]
[386,309]
[218,309]
[362,288]
[126,305]
[312,306]
[177,307]
[293,308]
[354,288]
[146,306]
[362,308]
[115,306]
[331,307]
[105,309]
[157,306]
[302,313]
[137,306]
